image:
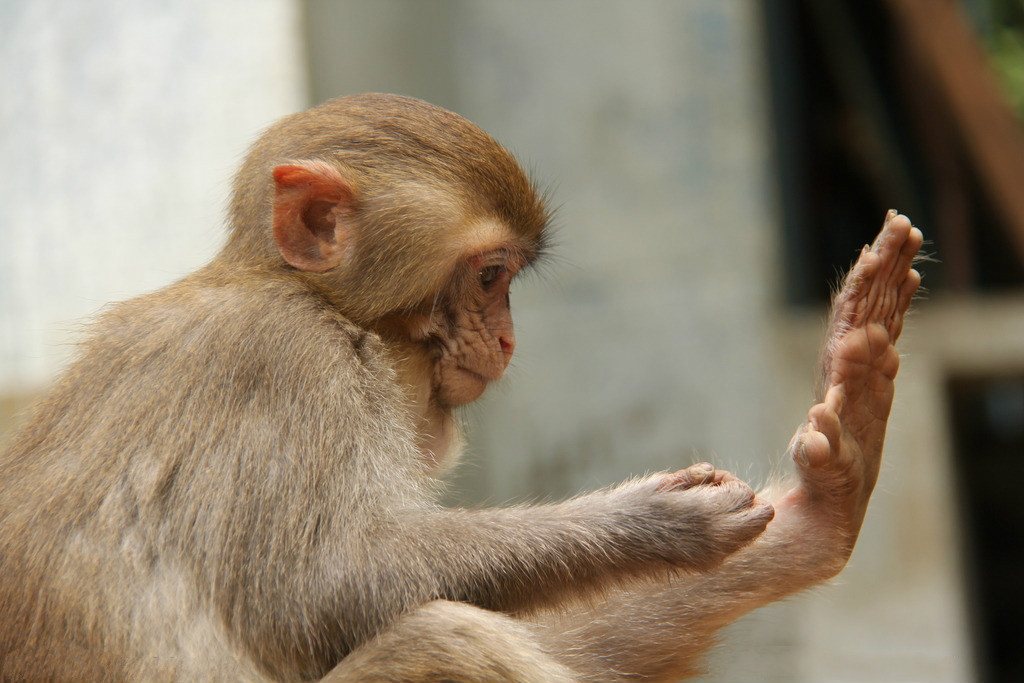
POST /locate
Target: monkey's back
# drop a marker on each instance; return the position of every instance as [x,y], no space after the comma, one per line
[153,504]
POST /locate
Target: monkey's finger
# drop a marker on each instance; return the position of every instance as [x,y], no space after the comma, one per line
[701,473]
[861,275]
[739,491]
[854,296]
[891,238]
[724,477]
[866,290]
[694,475]
[812,449]
[822,437]
[908,289]
[907,254]
[877,262]
[880,300]
[823,418]
[883,234]
[906,295]
[835,398]
[901,268]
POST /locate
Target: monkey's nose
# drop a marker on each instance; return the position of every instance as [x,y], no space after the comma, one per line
[508,345]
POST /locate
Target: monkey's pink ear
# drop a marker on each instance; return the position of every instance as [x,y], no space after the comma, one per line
[312,217]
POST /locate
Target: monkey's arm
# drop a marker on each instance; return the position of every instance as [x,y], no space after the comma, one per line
[510,559]
[659,631]
[505,560]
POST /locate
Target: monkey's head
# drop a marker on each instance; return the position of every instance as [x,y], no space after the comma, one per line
[411,219]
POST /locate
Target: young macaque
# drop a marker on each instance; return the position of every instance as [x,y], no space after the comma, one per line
[235,478]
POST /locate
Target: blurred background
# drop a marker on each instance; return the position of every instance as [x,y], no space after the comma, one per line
[716,164]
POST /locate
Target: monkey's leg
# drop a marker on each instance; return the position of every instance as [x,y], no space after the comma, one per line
[453,642]
[838,451]
[659,631]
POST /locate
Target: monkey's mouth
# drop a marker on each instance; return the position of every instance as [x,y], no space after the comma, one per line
[481,377]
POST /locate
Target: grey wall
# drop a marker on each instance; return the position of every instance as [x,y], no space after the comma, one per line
[656,334]
[637,341]
[120,126]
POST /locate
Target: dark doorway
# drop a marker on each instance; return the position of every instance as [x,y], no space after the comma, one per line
[867,117]
[987,415]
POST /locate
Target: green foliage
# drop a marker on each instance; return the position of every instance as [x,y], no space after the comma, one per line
[1007,51]
[1006,48]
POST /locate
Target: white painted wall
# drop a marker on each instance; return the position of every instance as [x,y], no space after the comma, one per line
[120,126]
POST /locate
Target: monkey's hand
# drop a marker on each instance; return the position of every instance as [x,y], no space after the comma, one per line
[837,454]
[712,512]
[838,450]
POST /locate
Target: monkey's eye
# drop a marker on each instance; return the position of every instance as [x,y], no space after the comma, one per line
[489,274]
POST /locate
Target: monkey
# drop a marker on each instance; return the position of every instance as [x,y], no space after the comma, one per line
[233,480]
[237,478]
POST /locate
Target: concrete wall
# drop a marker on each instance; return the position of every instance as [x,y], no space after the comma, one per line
[120,126]
[657,334]
[653,337]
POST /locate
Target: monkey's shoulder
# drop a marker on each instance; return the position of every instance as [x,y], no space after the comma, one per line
[243,358]
[278,322]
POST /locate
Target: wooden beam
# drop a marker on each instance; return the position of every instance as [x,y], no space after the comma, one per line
[939,32]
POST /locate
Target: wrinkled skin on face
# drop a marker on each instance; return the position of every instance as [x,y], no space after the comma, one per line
[474,337]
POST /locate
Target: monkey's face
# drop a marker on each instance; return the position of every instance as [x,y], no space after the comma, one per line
[425,262]
[473,337]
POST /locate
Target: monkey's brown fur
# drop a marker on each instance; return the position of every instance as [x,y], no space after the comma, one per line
[421,176]
[233,481]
